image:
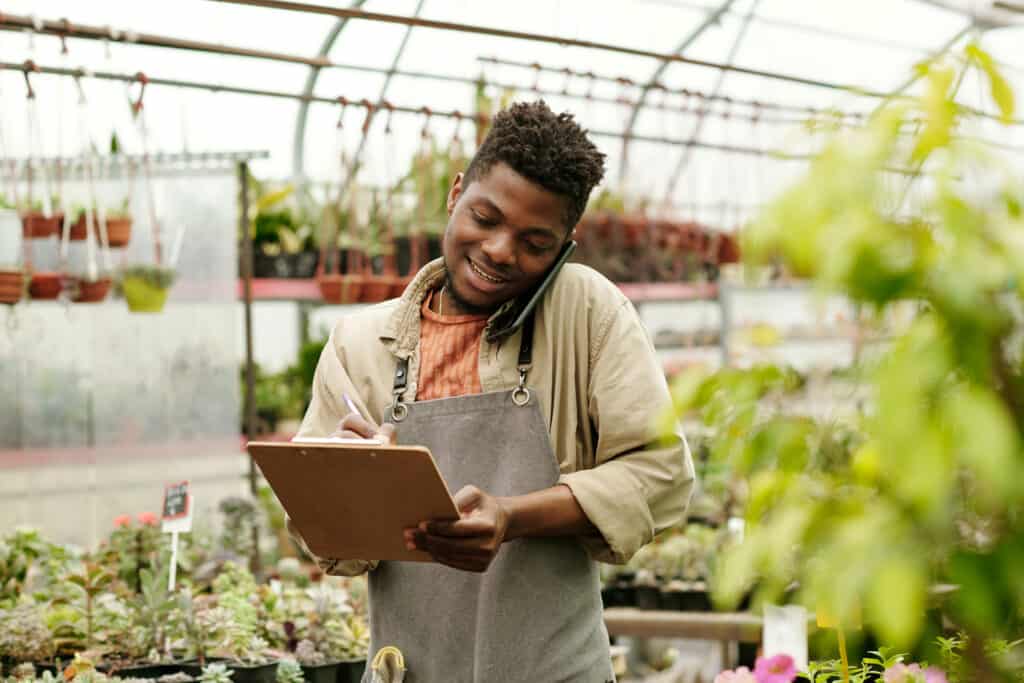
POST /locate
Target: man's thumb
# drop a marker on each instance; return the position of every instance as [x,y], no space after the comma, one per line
[387,433]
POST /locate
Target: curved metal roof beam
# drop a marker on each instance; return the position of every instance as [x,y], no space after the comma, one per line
[383,91]
[710,20]
[299,141]
[684,160]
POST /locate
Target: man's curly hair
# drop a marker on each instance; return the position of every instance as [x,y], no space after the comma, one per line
[549,149]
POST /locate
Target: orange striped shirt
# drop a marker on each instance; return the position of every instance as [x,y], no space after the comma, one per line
[449,353]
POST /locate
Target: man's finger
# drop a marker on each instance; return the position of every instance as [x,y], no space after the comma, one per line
[461,528]
[388,434]
[468,498]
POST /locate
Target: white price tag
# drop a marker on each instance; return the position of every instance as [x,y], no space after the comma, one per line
[785,633]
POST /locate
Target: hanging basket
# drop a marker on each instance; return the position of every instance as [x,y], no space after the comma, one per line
[119,229]
[45,286]
[87,291]
[12,286]
[36,225]
[143,296]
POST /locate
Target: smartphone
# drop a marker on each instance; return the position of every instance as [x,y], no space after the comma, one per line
[535,295]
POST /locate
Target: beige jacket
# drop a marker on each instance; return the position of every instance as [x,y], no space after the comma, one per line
[595,373]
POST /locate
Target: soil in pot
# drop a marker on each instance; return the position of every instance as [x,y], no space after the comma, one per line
[321,673]
[143,296]
[45,285]
[351,672]
[34,224]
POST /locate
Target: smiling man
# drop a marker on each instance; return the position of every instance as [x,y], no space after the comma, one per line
[539,416]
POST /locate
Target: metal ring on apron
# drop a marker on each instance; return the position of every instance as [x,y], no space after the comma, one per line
[399,411]
[521,395]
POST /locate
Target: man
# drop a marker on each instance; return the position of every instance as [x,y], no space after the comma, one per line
[544,428]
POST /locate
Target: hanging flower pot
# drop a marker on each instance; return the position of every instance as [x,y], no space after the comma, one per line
[35,224]
[89,291]
[12,286]
[145,288]
[45,285]
[119,229]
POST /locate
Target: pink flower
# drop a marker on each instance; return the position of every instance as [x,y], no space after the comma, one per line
[122,521]
[912,673]
[740,675]
[777,669]
[148,519]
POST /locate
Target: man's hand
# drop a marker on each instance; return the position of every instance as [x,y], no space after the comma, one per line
[355,426]
[470,543]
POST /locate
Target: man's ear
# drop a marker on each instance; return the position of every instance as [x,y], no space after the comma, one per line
[454,193]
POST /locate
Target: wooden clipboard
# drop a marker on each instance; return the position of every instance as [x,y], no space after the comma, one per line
[353,501]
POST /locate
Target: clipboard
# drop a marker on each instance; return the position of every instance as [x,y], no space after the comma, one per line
[353,500]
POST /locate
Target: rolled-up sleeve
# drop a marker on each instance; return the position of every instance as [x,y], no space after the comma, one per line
[642,480]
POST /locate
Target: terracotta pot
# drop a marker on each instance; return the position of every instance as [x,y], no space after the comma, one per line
[91,292]
[728,249]
[34,224]
[399,285]
[78,231]
[12,286]
[340,289]
[376,288]
[45,285]
[119,231]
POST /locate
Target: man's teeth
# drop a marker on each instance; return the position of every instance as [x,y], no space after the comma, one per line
[483,274]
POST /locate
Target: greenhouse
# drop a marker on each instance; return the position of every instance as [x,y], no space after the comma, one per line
[660,341]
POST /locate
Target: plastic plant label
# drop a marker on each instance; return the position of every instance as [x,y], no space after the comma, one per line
[785,632]
[176,511]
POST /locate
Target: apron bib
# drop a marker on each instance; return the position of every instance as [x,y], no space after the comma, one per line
[536,614]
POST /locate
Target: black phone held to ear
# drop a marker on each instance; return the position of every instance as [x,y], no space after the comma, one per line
[537,293]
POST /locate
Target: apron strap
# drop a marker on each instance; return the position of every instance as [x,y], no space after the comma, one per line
[520,395]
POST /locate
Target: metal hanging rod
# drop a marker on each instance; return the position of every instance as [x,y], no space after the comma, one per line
[543,38]
[64,29]
[623,81]
[155,159]
[372,107]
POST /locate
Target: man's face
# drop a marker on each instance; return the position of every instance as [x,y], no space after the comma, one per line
[504,232]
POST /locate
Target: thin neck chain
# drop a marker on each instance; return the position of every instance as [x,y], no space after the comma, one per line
[440,302]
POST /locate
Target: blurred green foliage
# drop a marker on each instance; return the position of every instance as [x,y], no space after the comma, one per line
[926,486]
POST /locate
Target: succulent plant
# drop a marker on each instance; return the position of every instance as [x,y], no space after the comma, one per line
[215,673]
[289,671]
[24,636]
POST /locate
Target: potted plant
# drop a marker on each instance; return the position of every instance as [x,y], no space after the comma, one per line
[36,224]
[145,288]
[45,285]
[25,637]
[119,224]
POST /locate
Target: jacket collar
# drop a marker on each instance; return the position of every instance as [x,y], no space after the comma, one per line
[401,332]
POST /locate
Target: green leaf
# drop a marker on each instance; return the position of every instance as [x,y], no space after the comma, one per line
[999,88]
[896,599]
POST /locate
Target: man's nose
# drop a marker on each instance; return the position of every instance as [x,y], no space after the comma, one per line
[499,247]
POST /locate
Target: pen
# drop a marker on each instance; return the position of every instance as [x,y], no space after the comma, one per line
[350,404]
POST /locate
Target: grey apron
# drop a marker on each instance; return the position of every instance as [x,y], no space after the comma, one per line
[535,615]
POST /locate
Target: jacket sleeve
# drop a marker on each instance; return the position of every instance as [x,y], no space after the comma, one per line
[642,480]
[326,408]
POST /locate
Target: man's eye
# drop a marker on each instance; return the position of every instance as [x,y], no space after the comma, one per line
[483,220]
[537,247]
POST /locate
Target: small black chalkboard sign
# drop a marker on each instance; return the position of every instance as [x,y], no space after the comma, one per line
[175,501]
